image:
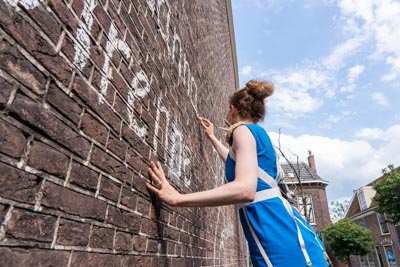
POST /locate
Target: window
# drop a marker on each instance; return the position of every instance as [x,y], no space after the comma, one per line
[363,261]
[361,222]
[361,199]
[379,256]
[371,260]
[390,256]
[382,223]
[309,207]
[291,174]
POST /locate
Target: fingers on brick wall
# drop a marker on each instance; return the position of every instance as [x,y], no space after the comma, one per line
[90,92]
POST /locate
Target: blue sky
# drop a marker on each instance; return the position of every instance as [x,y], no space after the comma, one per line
[336,69]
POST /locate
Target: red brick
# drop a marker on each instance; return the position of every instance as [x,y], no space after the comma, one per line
[63,103]
[45,158]
[95,259]
[137,261]
[139,243]
[33,257]
[109,189]
[143,206]
[94,128]
[110,165]
[3,211]
[83,176]
[73,233]
[64,14]
[123,219]
[128,198]
[149,227]
[140,184]
[68,201]
[12,140]
[5,92]
[28,225]
[135,141]
[91,98]
[18,185]
[44,121]
[134,160]
[102,237]
[123,241]
[117,146]
[21,69]
[47,22]
[152,246]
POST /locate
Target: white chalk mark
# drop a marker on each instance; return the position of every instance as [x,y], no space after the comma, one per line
[82,47]
[28,4]
[112,45]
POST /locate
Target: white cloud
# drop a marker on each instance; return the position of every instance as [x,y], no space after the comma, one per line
[378,22]
[380,99]
[354,73]
[370,134]
[246,70]
[347,165]
[337,58]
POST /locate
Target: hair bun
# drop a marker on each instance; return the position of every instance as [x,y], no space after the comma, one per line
[259,90]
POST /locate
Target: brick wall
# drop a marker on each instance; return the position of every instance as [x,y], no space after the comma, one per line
[90,92]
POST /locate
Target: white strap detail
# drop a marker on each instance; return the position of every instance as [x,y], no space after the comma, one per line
[265,194]
[299,235]
[260,247]
[266,178]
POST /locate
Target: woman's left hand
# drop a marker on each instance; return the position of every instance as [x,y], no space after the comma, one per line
[161,187]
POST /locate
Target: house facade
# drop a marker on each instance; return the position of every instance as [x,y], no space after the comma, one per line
[386,247]
[313,187]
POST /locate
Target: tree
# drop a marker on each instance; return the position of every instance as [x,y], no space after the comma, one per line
[346,238]
[337,210]
[387,194]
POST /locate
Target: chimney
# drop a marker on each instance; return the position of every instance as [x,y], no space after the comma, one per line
[311,161]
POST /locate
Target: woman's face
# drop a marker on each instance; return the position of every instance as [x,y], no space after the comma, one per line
[229,115]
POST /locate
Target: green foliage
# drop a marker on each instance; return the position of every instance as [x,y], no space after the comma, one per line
[388,194]
[345,238]
[337,210]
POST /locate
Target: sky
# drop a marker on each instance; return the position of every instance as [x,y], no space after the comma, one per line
[335,65]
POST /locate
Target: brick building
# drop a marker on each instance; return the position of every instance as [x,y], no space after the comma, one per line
[314,191]
[90,92]
[386,236]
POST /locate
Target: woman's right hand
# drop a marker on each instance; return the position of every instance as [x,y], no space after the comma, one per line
[207,126]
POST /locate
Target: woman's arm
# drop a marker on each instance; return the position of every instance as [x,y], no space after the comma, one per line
[241,190]
[209,130]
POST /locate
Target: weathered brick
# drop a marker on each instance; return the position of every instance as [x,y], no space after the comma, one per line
[149,227]
[102,237]
[134,160]
[47,159]
[135,141]
[12,140]
[15,64]
[73,233]
[92,127]
[109,189]
[5,92]
[43,120]
[143,206]
[123,241]
[18,185]
[83,176]
[110,165]
[117,146]
[91,98]
[33,257]
[3,211]
[63,103]
[128,198]
[152,246]
[139,243]
[28,225]
[123,219]
[95,259]
[68,201]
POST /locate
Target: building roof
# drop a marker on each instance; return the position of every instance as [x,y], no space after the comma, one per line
[307,175]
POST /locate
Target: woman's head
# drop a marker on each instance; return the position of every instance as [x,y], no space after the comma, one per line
[248,103]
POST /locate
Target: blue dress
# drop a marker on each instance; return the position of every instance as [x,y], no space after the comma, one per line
[277,234]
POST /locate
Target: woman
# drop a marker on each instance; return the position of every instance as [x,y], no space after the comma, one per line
[277,235]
